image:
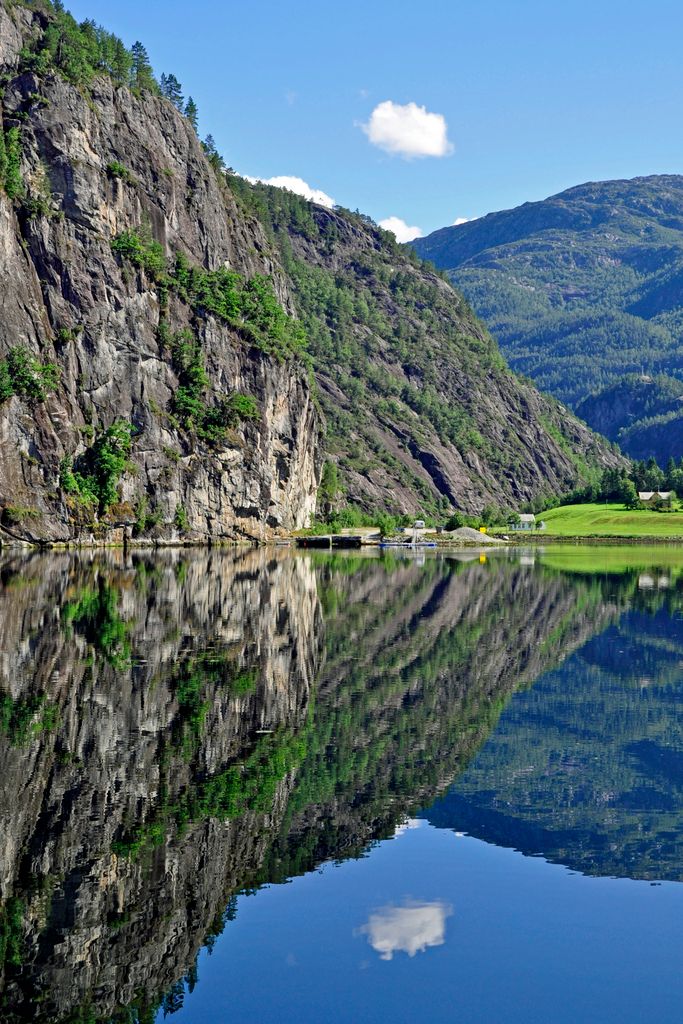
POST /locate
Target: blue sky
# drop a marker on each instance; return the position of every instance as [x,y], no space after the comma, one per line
[533,96]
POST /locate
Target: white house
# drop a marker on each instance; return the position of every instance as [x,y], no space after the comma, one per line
[527,521]
[652,497]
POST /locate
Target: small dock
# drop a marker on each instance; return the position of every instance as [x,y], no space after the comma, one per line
[330,541]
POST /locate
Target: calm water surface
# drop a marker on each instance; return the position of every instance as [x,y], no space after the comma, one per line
[275,787]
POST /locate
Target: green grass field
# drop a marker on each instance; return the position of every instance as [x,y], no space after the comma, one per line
[602,520]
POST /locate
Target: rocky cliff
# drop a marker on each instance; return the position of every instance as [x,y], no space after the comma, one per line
[97,164]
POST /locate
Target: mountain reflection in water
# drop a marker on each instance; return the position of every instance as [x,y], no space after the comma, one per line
[177,728]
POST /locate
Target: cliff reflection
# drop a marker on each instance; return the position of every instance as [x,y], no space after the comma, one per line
[176,728]
[153,711]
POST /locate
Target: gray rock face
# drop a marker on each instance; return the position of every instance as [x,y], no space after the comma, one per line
[58,274]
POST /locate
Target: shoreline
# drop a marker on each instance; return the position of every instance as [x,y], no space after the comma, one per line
[536,540]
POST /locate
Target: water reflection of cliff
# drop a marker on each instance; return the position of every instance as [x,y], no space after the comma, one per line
[178,727]
[586,768]
[144,702]
[420,662]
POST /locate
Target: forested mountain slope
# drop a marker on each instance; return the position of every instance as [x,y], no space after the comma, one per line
[422,411]
[643,414]
[580,289]
[156,312]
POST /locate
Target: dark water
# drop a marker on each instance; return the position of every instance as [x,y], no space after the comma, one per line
[468,772]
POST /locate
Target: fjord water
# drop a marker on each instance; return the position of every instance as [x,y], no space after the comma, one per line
[468,771]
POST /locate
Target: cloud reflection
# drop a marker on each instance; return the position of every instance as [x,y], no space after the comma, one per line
[408,929]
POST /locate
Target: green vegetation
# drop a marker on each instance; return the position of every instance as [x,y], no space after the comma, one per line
[577,306]
[180,519]
[191,112]
[347,322]
[246,785]
[10,162]
[613,558]
[95,484]
[146,518]
[171,88]
[404,371]
[247,306]
[15,515]
[351,516]
[621,484]
[644,415]
[584,767]
[23,375]
[141,252]
[115,169]
[80,52]
[611,520]
[12,913]
[189,405]
[328,490]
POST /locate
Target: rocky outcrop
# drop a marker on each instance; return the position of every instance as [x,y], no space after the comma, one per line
[66,299]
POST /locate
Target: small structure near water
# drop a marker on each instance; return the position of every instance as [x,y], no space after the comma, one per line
[656,497]
[330,540]
[525,521]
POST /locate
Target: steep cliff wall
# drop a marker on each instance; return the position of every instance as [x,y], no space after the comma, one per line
[94,163]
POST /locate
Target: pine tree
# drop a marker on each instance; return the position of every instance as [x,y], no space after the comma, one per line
[121,63]
[214,157]
[191,112]
[142,76]
[172,90]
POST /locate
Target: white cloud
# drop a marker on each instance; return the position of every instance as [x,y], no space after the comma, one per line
[403,231]
[298,185]
[408,130]
[409,929]
[460,220]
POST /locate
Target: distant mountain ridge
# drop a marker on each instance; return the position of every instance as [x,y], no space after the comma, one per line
[581,289]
